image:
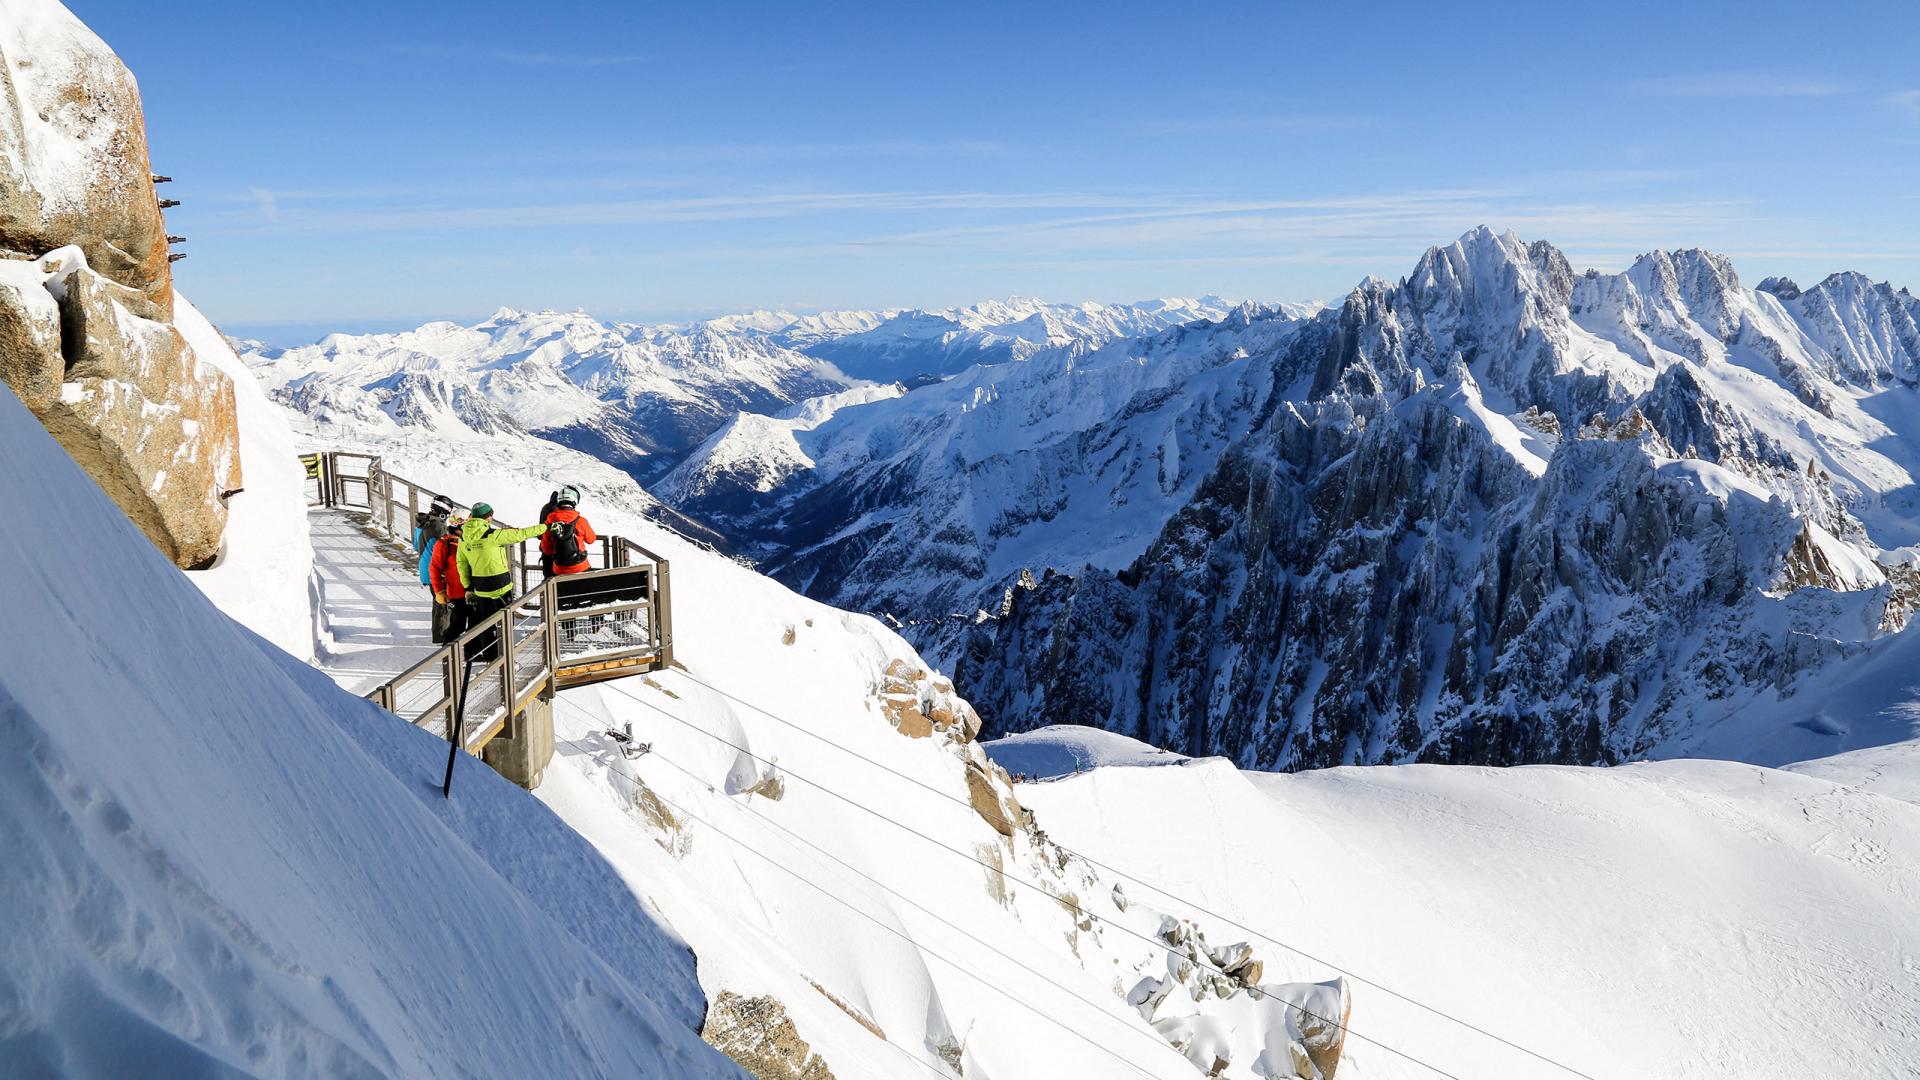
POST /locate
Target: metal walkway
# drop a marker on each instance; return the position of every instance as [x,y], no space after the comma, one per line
[370,594]
[613,621]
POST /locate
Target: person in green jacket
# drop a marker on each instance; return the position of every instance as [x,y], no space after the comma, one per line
[485,571]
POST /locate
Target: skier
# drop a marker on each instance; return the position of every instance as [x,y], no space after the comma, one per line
[546,560]
[484,570]
[449,596]
[568,534]
[428,528]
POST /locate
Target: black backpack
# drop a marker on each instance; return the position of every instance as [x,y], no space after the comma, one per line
[566,544]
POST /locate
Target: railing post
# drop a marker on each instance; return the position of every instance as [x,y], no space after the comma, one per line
[413,504]
[456,659]
[550,626]
[509,674]
[386,499]
[663,612]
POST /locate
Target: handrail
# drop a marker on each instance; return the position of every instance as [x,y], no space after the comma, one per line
[630,634]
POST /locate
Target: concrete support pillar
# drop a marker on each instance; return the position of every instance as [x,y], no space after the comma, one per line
[522,752]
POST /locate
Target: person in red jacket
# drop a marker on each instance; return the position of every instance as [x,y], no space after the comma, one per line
[563,550]
[443,571]
[568,535]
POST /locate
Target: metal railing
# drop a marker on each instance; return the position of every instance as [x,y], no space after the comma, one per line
[613,620]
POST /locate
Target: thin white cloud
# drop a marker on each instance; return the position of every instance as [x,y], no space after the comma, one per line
[1253,124]
[265,203]
[1737,84]
[733,207]
[879,148]
[1906,101]
[514,57]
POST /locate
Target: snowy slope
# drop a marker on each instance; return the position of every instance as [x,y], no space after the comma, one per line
[759,454]
[219,864]
[264,574]
[1892,770]
[1049,753]
[1685,920]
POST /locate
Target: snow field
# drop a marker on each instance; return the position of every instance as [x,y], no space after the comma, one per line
[1647,920]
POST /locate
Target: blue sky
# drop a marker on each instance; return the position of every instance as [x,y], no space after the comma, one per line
[361,165]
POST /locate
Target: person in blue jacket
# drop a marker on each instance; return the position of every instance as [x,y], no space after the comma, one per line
[427,530]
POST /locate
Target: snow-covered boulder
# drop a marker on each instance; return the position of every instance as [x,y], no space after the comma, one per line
[80,223]
[73,150]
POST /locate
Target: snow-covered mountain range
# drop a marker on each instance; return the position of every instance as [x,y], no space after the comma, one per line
[1500,511]
[641,396]
[910,346]
[1496,511]
[912,504]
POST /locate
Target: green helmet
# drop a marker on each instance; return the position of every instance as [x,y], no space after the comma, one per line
[482,510]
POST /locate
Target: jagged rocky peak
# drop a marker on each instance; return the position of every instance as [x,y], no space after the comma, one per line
[1871,328]
[86,297]
[1500,512]
[1689,284]
[1486,275]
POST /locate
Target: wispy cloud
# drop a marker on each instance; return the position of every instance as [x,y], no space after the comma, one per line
[1253,124]
[1737,84]
[514,57]
[1906,101]
[797,151]
[714,208]
[265,202]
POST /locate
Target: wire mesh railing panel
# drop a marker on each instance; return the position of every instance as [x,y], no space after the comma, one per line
[486,699]
[603,616]
[423,697]
[529,643]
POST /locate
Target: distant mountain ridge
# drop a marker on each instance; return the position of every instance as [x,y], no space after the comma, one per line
[641,396]
[911,505]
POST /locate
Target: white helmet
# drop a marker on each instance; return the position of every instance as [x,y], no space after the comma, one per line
[567,496]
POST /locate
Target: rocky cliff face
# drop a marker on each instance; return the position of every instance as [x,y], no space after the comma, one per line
[86,297]
[1503,512]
